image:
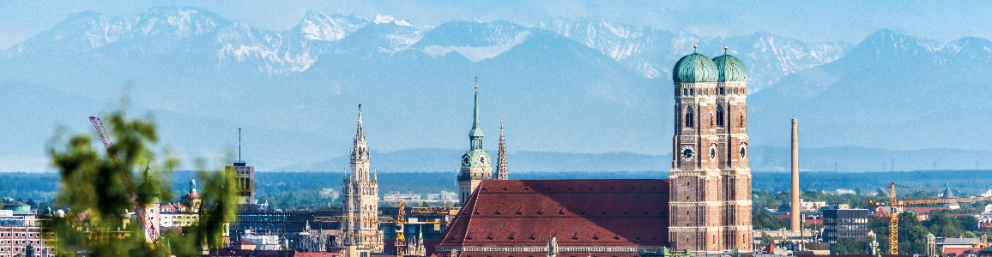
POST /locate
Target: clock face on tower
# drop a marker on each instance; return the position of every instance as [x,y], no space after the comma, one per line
[466,161]
[482,160]
[743,151]
[687,153]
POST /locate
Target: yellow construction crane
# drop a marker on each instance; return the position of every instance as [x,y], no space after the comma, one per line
[896,203]
[399,221]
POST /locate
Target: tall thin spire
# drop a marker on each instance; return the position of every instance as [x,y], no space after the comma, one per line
[476,110]
[239,146]
[501,171]
[475,135]
[361,133]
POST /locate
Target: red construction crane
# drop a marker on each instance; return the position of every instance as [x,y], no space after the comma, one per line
[139,208]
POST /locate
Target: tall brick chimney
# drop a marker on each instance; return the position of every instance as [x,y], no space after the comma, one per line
[794,214]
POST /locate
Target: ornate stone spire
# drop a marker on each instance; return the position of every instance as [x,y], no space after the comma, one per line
[361,194]
[501,171]
[361,133]
[360,153]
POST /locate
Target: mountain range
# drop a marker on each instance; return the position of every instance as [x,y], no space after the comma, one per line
[586,89]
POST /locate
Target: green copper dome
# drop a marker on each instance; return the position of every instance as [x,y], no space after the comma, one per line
[694,68]
[477,158]
[730,69]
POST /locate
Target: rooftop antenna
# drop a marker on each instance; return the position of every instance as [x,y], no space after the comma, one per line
[239,146]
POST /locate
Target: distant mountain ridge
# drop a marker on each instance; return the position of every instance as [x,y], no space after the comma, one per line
[653,52]
[562,87]
[890,91]
[648,51]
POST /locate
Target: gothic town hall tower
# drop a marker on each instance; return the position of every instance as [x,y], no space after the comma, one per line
[710,194]
[361,199]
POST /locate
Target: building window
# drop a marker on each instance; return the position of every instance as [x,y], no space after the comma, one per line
[722,92]
[688,117]
[685,91]
[719,116]
[691,91]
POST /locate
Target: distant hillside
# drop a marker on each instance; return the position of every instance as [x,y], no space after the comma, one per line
[763,158]
[297,187]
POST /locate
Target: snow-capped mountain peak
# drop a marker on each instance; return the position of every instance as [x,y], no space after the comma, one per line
[319,26]
[380,19]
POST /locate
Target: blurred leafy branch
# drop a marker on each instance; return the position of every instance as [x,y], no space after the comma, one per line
[99,208]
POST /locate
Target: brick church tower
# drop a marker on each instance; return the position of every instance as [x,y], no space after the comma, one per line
[476,163]
[710,194]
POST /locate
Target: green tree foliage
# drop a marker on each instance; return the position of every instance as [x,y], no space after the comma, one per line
[942,225]
[912,233]
[91,185]
[845,246]
[762,220]
[766,240]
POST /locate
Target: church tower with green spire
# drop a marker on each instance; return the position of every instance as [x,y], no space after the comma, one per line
[476,163]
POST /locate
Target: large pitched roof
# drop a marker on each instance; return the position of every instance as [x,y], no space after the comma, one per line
[568,254]
[576,212]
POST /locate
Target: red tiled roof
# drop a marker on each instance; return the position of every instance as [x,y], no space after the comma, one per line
[192,195]
[316,254]
[568,254]
[257,253]
[768,249]
[243,242]
[852,255]
[925,210]
[577,212]
[960,251]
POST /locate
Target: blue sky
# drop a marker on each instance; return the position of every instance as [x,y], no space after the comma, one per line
[848,21]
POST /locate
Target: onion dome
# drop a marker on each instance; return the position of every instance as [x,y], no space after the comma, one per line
[730,68]
[694,68]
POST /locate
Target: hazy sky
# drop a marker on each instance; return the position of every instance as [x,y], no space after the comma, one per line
[848,21]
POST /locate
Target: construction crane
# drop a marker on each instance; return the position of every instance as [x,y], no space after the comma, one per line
[400,220]
[139,208]
[896,203]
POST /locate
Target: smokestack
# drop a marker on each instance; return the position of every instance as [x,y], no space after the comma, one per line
[794,215]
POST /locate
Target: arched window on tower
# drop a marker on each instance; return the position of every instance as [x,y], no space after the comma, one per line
[719,116]
[688,117]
